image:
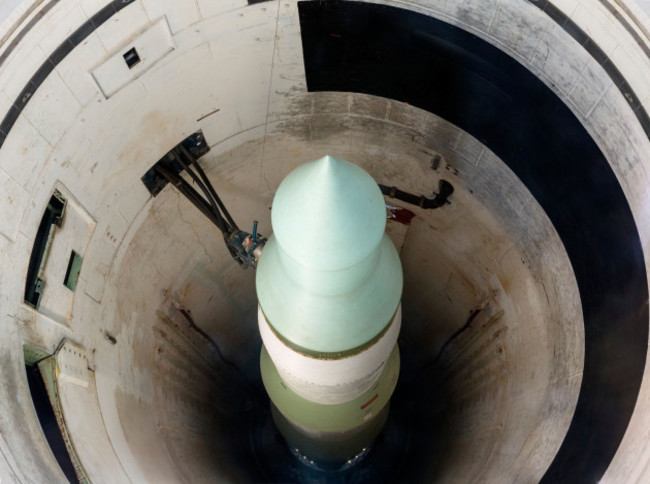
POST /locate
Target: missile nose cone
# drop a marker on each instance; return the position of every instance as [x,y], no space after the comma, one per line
[328,214]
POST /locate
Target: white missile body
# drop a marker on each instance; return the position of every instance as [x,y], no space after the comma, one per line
[329,381]
[329,284]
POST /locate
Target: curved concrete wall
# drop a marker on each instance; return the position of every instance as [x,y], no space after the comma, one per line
[505,400]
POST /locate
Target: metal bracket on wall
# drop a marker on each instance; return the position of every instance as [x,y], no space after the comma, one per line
[195,144]
[245,248]
[445,190]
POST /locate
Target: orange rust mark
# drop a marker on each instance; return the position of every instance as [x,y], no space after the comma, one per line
[369,401]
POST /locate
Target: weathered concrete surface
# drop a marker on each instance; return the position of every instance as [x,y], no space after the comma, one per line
[237,73]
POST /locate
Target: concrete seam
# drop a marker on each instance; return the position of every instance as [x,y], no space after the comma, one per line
[268,95]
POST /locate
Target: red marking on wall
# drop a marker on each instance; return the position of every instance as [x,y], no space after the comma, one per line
[401,215]
[369,401]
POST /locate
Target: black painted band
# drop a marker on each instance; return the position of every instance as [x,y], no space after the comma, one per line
[601,58]
[626,25]
[25,30]
[53,60]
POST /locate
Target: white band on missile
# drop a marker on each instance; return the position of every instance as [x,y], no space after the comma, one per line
[325,381]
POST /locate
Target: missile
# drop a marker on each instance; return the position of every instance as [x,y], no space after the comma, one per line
[329,283]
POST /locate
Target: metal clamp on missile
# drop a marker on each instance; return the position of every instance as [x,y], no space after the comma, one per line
[245,248]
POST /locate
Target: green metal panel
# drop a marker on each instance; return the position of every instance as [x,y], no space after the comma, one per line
[33,355]
[72,273]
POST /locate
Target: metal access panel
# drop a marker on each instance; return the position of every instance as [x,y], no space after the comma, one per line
[44,385]
[57,256]
[72,365]
[134,58]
